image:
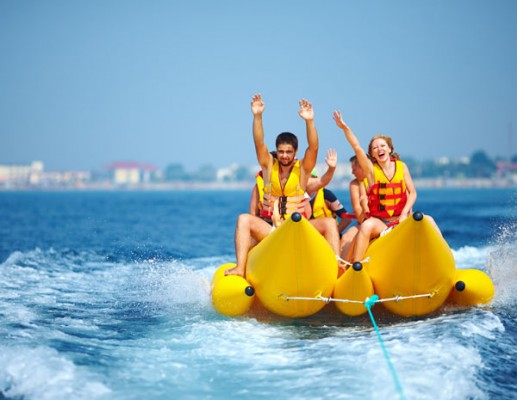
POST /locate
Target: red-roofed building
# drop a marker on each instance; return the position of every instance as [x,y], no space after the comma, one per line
[504,167]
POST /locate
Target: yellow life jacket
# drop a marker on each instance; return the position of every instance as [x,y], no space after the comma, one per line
[260,185]
[291,198]
[387,198]
[320,208]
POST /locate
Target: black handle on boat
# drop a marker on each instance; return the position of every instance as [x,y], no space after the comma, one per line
[357,266]
[418,215]
[296,217]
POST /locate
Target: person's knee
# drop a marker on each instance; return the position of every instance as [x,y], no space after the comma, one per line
[243,221]
[322,225]
[366,228]
[329,223]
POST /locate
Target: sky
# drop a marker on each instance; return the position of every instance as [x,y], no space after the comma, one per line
[87,83]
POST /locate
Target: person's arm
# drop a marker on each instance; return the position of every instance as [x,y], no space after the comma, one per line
[363,199]
[254,210]
[336,207]
[315,184]
[263,156]
[362,158]
[357,199]
[311,154]
[343,224]
[411,194]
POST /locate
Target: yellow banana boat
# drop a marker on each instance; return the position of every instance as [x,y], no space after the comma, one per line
[293,273]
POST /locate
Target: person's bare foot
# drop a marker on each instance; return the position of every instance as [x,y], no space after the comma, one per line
[237,270]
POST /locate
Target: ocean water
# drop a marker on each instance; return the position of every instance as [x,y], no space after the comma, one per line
[105,295]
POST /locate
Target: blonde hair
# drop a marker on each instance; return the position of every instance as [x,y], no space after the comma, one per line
[388,141]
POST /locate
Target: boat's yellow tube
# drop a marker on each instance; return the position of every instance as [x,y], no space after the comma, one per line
[355,284]
[414,259]
[231,295]
[294,260]
[472,288]
[412,265]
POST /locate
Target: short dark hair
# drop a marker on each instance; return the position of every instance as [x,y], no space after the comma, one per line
[287,138]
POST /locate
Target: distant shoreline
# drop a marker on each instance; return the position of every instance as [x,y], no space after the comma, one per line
[427,183]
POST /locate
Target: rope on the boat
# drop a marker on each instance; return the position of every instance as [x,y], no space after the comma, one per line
[327,300]
[342,261]
[369,303]
[332,299]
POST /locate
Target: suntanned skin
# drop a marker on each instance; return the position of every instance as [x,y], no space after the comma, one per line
[359,201]
[250,227]
[381,152]
[313,184]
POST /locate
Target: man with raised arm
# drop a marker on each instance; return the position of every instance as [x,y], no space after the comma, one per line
[285,182]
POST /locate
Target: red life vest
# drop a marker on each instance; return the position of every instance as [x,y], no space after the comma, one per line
[387,198]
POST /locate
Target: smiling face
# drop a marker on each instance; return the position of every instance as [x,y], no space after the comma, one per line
[380,148]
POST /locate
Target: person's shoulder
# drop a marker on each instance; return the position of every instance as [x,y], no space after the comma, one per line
[402,164]
[354,183]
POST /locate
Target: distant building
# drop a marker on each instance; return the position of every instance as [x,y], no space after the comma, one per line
[34,176]
[236,172]
[131,172]
[507,170]
[506,167]
[21,175]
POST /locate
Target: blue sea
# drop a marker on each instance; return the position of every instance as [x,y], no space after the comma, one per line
[105,295]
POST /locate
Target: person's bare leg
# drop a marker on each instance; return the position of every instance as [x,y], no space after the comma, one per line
[249,230]
[347,241]
[371,228]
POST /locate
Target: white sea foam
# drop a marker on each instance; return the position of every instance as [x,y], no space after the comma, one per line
[502,267]
[192,351]
[471,257]
[43,373]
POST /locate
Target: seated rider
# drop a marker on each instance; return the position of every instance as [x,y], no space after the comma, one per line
[285,182]
[323,201]
[391,192]
[359,201]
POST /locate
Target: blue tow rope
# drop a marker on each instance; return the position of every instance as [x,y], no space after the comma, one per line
[369,304]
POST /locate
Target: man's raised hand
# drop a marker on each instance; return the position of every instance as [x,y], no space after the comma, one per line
[306,111]
[257,105]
